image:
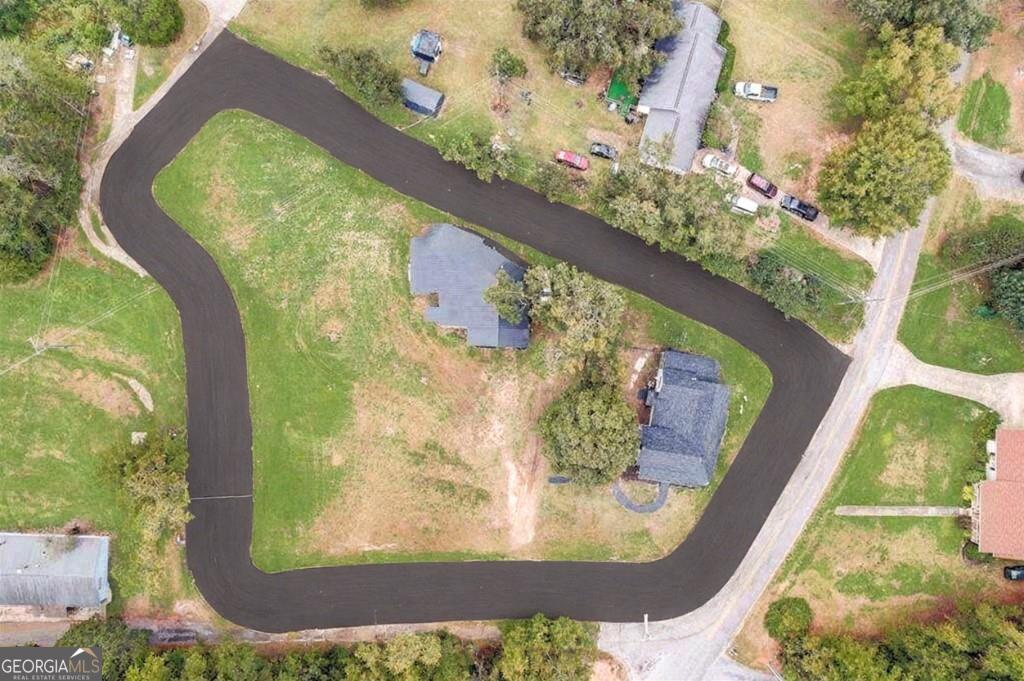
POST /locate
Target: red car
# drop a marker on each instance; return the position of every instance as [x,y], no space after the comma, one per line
[571,159]
[762,186]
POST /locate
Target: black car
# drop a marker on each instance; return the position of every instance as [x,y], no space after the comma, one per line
[1014,573]
[604,151]
[798,207]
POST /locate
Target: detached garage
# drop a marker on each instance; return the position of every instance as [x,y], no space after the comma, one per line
[420,98]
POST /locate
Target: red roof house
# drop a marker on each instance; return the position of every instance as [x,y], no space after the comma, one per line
[998,513]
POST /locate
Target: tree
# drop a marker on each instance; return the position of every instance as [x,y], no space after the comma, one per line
[15,15]
[879,183]
[150,478]
[476,151]
[152,22]
[590,433]
[907,72]
[788,618]
[411,657]
[1008,295]
[786,287]
[587,311]
[42,115]
[508,297]
[506,65]
[153,669]
[372,76]
[542,649]
[580,35]
[122,647]
[964,22]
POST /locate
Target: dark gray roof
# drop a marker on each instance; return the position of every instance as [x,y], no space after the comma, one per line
[421,98]
[459,266]
[426,44]
[680,92]
[688,416]
[48,570]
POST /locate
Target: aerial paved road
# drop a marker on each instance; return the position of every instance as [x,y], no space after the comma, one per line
[232,74]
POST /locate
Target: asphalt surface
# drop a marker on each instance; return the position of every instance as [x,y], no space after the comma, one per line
[232,74]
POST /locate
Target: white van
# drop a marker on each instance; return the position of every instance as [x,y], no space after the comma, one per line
[743,205]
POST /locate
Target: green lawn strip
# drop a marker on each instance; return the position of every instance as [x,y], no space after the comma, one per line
[841,277]
[51,445]
[302,386]
[915,447]
[942,327]
[985,112]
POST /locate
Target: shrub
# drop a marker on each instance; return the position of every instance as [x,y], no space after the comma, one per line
[542,648]
[788,619]
[725,75]
[1002,238]
[784,286]
[1008,295]
[506,65]
[122,647]
[376,80]
[507,297]
[554,182]
[478,153]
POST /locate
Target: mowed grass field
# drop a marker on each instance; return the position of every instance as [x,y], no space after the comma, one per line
[63,408]
[805,47]
[378,437]
[560,115]
[156,63]
[915,448]
[944,327]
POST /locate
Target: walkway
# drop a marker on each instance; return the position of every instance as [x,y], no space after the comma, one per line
[902,511]
[630,505]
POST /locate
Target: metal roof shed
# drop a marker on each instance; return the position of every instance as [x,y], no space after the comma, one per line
[420,98]
[54,570]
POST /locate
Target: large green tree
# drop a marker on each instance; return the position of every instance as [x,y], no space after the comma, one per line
[152,22]
[880,182]
[122,647]
[1008,295]
[964,22]
[580,35]
[591,433]
[542,649]
[907,72]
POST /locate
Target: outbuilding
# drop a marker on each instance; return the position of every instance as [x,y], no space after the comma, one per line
[420,98]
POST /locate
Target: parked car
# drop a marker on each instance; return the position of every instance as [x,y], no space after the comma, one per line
[1015,573]
[572,159]
[712,162]
[604,151]
[762,186]
[798,207]
[756,91]
[742,205]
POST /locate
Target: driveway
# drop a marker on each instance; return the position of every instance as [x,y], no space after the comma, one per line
[806,372]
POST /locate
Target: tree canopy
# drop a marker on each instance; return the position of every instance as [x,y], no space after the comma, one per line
[880,182]
[508,297]
[152,22]
[580,35]
[964,22]
[372,76]
[506,64]
[543,649]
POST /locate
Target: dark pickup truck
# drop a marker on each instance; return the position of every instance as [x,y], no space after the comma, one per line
[798,207]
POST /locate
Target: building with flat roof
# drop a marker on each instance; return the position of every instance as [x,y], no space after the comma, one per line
[689,409]
[458,266]
[53,576]
[677,96]
[997,514]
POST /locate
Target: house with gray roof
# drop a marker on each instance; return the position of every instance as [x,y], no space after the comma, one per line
[53,576]
[678,95]
[458,266]
[689,409]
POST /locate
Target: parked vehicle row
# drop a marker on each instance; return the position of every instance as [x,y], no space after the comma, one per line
[762,186]
[580,162]
[799,208]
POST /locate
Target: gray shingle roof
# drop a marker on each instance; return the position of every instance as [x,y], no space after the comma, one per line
[420,98]
[680,445]
[48,570]
[679,93]
[459,266]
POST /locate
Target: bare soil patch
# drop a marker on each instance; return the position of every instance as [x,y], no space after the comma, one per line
[107,394]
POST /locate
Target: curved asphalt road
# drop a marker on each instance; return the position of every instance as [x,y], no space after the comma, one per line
[233,74]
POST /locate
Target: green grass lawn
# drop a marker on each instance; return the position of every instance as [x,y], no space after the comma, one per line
[985,112]
[156,63]
[914,448]
[843,278]
[63,408]
[367,421]
[942,327]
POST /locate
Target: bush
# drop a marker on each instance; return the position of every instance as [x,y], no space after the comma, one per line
[554,182]
[478,153]
[373,78]
[153,22]
[506,65]
[788,619]
[507,297]
[784,286]
[1008,295]
[15,15]
[122,647]
[1002,238]
[725,75]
